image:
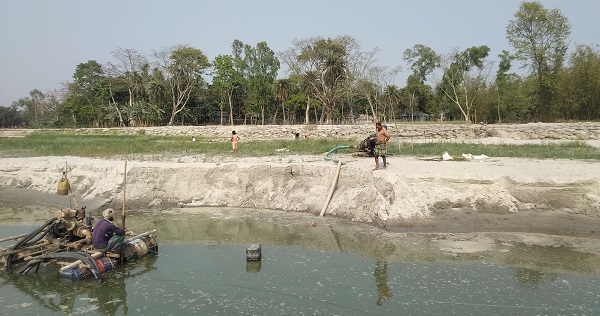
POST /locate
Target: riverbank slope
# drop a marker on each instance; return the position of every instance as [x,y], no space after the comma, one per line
[409,193]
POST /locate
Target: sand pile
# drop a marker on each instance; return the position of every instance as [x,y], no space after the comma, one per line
[409,188]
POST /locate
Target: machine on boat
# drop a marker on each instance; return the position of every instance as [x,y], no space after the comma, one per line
[65,240]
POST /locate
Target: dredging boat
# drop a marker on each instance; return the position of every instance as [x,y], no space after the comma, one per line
[65,240]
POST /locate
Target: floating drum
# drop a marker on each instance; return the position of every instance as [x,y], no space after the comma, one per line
[253,253]
[104,264]
[140,247]
[75,273]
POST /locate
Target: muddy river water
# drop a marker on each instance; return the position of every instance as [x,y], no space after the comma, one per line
[312,266]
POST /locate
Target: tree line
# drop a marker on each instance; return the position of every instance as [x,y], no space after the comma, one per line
[330,81]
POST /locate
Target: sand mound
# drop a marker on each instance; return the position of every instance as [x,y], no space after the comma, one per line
[409,188]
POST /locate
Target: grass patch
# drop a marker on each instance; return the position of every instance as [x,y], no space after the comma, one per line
[95,145]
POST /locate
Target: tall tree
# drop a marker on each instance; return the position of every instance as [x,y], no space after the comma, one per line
[239,94]
[422,60]
[502,77]
[419,96]
[326,61]
[129,69]
[157,89]
[261,70]
[11,116]
[153,97]
[392,96]
[464,74]
[540,37]
[361,68]
[37,99]
[182,67]
[21,108]
[226,79]
[334,68]
[282,89]
[307,88]
[370,93]
[84,100]
[50,104]
[582,83]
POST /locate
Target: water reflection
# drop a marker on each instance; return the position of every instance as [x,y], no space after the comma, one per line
[534,277]
[381,280]
[253,266]
[334,267]
[106,296]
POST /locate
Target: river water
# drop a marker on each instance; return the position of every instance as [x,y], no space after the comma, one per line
[309,266]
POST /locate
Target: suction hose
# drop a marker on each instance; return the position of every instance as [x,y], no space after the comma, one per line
[29,240]
[334,150]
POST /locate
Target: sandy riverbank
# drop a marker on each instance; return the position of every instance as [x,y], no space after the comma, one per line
[457,206]
[494,194]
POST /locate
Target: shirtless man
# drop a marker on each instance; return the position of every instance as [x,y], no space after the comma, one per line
[381,138]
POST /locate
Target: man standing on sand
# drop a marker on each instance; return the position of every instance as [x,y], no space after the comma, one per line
[382,136]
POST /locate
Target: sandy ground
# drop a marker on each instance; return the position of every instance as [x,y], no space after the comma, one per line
[462,207]
[31,205]
[559,197]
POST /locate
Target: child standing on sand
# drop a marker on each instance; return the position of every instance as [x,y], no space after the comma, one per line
[234,142]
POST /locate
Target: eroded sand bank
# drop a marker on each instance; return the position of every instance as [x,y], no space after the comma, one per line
[409,189]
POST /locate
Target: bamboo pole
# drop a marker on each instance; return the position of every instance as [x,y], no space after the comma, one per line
[124,191]
[13,237]
[95,255]
[140,235]
[121,255]
[333,185]
[11,252]
[70,188]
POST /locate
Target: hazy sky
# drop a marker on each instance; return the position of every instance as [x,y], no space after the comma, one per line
[42,41]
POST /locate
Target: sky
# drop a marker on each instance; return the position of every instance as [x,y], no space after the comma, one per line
[42,42]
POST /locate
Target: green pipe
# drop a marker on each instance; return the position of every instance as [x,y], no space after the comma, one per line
[334,150]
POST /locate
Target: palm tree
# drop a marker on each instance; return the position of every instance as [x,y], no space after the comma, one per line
[283,90]
[156,89]
[392,97]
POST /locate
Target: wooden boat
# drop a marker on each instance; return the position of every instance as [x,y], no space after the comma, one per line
[65,240]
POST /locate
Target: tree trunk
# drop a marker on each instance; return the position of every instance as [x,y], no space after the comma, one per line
[229,97]
[322,114]
[274,117]
[121,122]
[375,116]
[131,119]
[307,113]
